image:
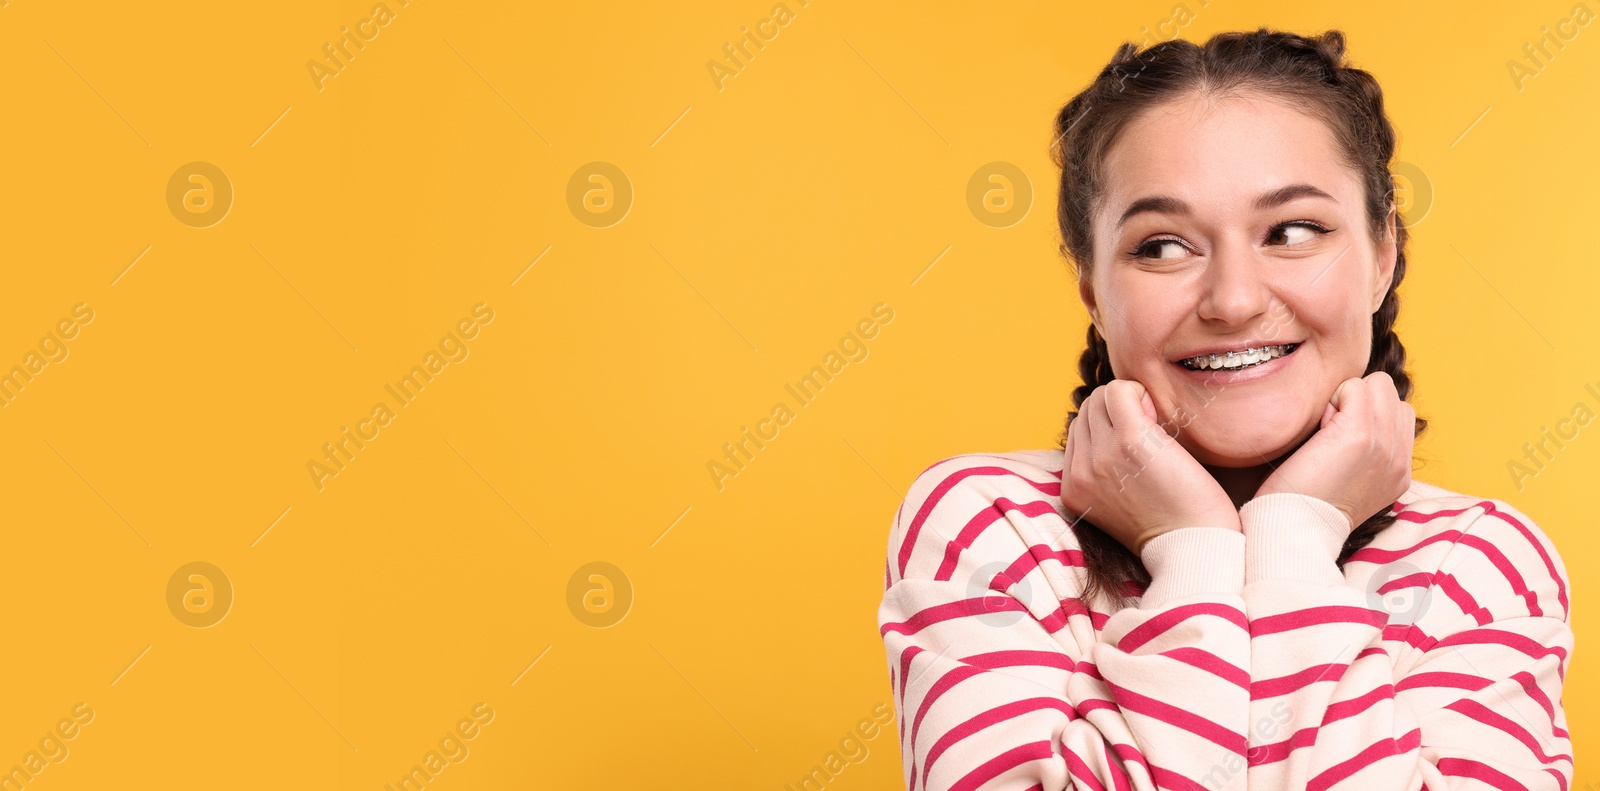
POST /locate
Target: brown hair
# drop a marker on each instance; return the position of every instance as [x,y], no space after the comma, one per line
[1307,71]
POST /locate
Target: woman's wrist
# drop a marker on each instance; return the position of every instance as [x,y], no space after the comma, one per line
[1191,561]
[1226,518]
[1293,536]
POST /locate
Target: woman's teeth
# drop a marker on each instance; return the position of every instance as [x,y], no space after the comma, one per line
[1236,360]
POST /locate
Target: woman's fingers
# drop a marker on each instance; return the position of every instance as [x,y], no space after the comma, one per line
[1374,402]
[1382,395]
[1085,413]
[1123,407]
[1405,430]
[1077,440]
[1383,399]
[1384,383]
[1350,396]
[1077,466]
[1360,459]
[1367,401]
[1100,429]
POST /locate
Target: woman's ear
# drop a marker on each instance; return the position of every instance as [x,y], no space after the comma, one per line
[1388,252]
[1086,293]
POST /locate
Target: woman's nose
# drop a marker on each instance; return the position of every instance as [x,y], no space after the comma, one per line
[1235,286]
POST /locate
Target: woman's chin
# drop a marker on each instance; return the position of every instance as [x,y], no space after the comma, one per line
[1250,443]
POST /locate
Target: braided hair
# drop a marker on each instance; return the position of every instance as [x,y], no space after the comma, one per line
[1307,71]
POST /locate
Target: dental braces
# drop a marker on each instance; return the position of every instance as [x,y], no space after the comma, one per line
[1229,356]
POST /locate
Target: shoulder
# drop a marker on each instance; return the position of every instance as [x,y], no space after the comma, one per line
[1486,546]
[982,502]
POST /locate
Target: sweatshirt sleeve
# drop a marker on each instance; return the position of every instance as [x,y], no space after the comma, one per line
[1000,681]
[1460,691]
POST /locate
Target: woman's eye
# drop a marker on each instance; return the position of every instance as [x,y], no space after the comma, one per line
[1160,249]
[1293,233]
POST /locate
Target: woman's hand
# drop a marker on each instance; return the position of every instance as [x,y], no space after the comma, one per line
[1359,461]
[1129,478]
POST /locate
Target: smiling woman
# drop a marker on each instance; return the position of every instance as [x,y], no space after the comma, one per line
[1231,507]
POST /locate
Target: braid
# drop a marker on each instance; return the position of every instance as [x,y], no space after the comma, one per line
[1116,570]
[1094,365]
[1388,356]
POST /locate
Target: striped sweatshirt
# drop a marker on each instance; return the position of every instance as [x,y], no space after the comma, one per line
[1433,660]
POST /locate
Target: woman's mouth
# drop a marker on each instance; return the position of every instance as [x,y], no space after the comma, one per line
[1239,359]
[1227,367]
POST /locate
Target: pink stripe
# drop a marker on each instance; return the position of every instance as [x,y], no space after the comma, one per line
[1408,633]
[944,486]
[1096,704]
[899,707]
[1379,556]
[1521,643]
[1439,679]
[1079,769]
[1420,579]
[1056,474]
[993,716]
[1358,704]
[1166,778]
[905,667]
[1477,711]
[1294,682]
[1002,763]
[1495,557]
[1211,663]
[1130,754]
[1549,564]
[888,577]
[1177,717]
[1464,601]
[1263,754]
[1119,773]
[899,711]
[988,515]
[971,667]
[1506,569]
[1021,658]
[1054,622]
[1421,518]
[975,526]
[1315,616]
[951,678]
[1561,777]
[1483,773]
[1531,687]
[1384,748]
[1158,624]
[1039,553]
[982,605]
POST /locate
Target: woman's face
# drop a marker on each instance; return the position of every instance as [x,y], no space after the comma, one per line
[1227,225]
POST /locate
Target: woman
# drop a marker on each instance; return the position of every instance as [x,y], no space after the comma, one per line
[1225,577]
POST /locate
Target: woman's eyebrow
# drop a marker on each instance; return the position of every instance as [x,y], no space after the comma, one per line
[1159,204]
[1166,204]
[1283,195]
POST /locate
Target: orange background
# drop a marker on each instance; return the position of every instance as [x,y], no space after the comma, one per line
[769,213]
